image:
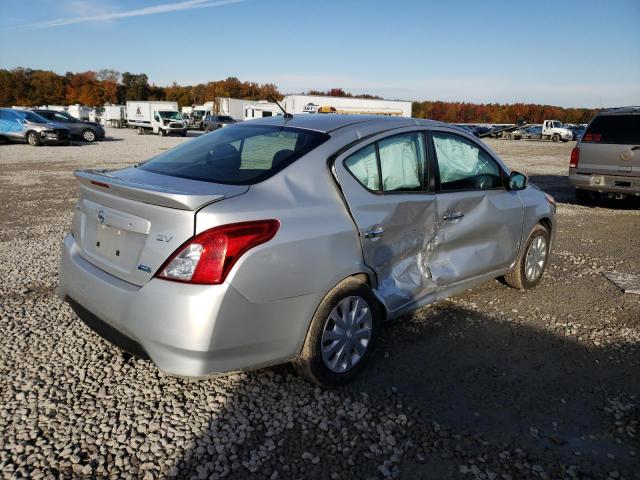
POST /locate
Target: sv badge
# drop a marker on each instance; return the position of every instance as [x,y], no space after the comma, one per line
[163,237]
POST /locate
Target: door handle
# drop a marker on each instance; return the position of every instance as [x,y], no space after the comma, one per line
[375,232]
[452,216]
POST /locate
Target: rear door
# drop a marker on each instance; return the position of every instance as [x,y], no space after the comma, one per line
[385,184]
[611,146]
[479,221]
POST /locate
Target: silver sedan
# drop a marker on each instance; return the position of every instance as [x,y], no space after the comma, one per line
[291,239]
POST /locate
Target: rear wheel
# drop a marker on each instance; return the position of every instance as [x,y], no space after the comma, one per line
[341,335]
[140,131]
[34,139]
[88,135]
[532,261]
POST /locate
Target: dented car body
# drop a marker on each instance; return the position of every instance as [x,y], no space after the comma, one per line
[414,210]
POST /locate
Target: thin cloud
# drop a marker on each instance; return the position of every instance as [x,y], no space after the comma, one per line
[139,12]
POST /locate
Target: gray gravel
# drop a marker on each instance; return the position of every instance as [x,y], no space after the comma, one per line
[493,384]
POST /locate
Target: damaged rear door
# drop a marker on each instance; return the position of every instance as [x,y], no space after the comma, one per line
[479,221]
[385,184]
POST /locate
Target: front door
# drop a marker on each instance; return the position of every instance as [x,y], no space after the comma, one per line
[480,222]
[385,183]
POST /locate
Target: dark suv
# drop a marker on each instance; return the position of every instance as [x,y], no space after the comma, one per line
[214,122]
[606,159]
[79,129]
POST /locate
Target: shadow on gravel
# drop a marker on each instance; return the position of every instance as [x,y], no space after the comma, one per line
[564,192]
[470,386]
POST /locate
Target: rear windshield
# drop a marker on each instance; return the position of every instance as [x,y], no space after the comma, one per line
[621,129]
[236,155]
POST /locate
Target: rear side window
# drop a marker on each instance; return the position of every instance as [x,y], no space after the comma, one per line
[620,129]
[237,155]
[393,164]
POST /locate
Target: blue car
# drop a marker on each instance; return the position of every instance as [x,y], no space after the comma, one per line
[27,126]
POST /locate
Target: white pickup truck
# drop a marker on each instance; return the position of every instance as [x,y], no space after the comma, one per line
[555,131]
[158,117]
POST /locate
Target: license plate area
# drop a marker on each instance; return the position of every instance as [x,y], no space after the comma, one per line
[111,242]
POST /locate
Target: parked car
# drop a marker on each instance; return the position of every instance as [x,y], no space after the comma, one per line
[27,126]
[291,239]
[214,122]
[606,159]
[532,131]
[79,129]
[577,131]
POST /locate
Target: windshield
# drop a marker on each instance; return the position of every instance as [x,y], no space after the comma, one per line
[171,115]
[198,113]
[31,116]
[237,155]
[225,119]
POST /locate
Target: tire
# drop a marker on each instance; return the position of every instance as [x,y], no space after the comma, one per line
[183,133]
[555,138]
[161,132]
[526,274]
[88,135]
[33,139]
[140,131]
[322,348]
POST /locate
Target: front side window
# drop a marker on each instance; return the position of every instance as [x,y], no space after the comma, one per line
[237,155]
[463,165]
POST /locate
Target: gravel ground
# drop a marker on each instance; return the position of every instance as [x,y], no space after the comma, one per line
[492,384]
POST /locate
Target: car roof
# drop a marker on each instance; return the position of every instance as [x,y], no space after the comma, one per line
[620,110]
[330,122]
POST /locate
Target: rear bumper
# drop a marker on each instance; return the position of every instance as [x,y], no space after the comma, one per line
[605,183]
[186,330]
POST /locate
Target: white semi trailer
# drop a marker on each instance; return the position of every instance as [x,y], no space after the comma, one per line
[162,118]
[299,104]
[233,107]
[114,115]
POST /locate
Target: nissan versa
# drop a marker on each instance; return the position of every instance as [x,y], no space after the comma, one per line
[292,238]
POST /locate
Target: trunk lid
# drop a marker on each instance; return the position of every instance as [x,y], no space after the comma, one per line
[128,222]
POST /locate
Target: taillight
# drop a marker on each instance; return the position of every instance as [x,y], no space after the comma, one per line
[209,256]
[575,158]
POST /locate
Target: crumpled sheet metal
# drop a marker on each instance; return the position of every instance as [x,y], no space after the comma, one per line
[402,260]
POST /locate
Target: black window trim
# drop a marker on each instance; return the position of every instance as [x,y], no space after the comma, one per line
[426,183]
[437,186]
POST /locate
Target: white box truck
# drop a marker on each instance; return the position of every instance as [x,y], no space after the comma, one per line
[199,112]
[79,112]
[158,117]
[297,104]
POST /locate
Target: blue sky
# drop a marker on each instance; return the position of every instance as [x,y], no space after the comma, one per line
[568,53]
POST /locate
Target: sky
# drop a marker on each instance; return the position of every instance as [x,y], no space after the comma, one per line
[570,53]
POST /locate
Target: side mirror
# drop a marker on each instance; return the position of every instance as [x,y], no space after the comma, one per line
[518,181]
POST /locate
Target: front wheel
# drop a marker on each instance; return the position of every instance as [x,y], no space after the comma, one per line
[532,260]
[341,335]
[555,138]
[161,132]
[183,133]
[33,139]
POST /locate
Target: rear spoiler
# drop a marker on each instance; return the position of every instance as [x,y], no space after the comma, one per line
[164,196]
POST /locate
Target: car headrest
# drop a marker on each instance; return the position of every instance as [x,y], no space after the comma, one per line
[226,156]
[280,157]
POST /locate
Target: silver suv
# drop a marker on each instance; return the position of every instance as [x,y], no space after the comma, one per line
[606,159]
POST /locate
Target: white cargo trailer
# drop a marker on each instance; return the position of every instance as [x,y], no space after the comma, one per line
[78,111]
[298,104]
[260,110]
[233,107]
[114,115]
[158,117]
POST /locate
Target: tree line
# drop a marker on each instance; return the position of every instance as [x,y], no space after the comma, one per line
[28,87]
